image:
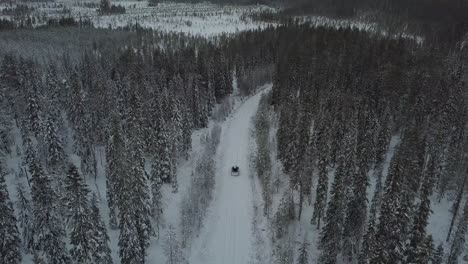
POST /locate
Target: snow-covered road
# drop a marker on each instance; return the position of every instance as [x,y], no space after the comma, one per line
[227,236]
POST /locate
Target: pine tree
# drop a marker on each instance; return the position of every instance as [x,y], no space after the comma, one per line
[389,242]
[459,237]
[173,249]
[304,252]
[424,251]
[115,171]
[456,206]
[321,192]
[33,109]
[10,241]
[163,162]
[156,202]
[129,243]
[356,212]
[135,209]
[284,253]
[37,259]
[55,153]
[418,233]
[186,135]
[368,243]
[438,256]
[330,237]
[48,230]
[26,217]
[82,236]
[102,253]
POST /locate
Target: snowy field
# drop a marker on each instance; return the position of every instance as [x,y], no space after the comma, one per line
[203,19]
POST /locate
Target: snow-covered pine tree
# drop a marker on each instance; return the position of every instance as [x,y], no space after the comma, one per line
[25,217]
[37,259]
[10,241]
[383,140]
[76,103]
[130,250]
[356,210]
[156,201]
[134,209]
[33,109]
[115,170]
[284,215]
[321,192]
[82,236]
[186,134]
[418,235]
[55,152]
[368,242]
[330,236]
[163,161]
[48,230]
[102,253]
[459,237]
[177,125]
[424,251]
[438,256]
[389,242]
[303,257]
[456,206]
[173,249]
[284,252]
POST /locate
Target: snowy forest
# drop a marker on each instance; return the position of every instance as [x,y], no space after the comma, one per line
[116,144]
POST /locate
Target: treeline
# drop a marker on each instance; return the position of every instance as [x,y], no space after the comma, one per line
[341,96]
[442,22]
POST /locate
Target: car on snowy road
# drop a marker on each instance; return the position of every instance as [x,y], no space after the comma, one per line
[235,171]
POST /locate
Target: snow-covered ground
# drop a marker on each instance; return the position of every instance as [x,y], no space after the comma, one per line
[227,237]
[202,19]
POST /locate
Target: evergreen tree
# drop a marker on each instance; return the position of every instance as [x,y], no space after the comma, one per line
[10,241]
[26,217]
[459,237]
[438,256]
[115,171]
[389,242]
[173,249]
[284,253]
[330,237]
[156,202]
[424,251]
[33,109]
[134,209]
[163,163]
[304,252]
[415,250]
[368,243]
[284,215]
[356,211]
[55,153]
[82,236]
[321,192]
[48,230]
[102,253]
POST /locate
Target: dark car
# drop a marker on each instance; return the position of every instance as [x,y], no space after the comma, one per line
[235,171]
